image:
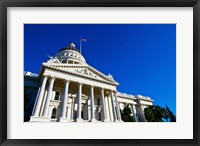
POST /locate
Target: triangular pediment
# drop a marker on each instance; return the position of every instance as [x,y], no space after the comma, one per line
[82,70]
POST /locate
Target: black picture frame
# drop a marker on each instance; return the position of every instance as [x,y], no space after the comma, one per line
[4,4]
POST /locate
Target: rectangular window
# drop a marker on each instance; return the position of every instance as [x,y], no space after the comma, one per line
[64,61]
[57,96]
[98,102]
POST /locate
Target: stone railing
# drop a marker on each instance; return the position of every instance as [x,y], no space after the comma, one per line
[124,94]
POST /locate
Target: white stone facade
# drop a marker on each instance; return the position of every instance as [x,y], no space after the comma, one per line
[73,91]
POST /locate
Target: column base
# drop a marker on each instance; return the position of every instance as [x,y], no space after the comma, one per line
[117,121]
[39,119]
[64,120]
[79,120]
[72,120]
[120,121]
[93,120]
[106,120]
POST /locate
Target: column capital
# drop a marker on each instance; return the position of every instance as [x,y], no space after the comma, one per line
[111,91]
[115,91]
[52,77]
[66,80]
[107,92]
[45,76]
[80,83]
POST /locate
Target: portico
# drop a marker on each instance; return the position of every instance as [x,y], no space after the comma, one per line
[69,100]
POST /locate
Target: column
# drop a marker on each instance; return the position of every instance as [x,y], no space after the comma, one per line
[85,113]
[117,106]
[43,103]
[50,88]
[113,107]
[142,113]
[36,99]
[110,109]
[106,107]
[134,111]
[39,101]
[65,99]
[103,106]
[88,109]
[53,95]
[72,109]
[92,104]
[78,117]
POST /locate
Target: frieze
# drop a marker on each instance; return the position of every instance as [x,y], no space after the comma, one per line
[86,72]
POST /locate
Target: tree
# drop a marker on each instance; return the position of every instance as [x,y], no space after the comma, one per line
[157,113]
[154,113]
[168,115]
[126,114]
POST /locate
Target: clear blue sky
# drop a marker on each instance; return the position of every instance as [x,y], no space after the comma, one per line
[141,57]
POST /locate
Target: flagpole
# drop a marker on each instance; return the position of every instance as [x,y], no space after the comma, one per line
[80,45]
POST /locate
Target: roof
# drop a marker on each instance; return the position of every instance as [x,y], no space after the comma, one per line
[30,74]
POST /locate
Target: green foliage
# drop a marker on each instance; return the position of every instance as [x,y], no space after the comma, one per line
[153,113]
[168,115]
[126,114]
[157,113]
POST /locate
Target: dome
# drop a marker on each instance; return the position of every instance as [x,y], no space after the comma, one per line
[70,55]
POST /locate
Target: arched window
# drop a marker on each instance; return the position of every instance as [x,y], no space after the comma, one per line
[53,116]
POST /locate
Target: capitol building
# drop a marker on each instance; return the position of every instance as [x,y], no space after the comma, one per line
[67,89]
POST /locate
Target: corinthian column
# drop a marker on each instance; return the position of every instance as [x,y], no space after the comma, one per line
[113,107]
[117,106]
[46,107]
[72,109]
[78,118]
[64,105]
[92,103]
[41,95]
[103,106]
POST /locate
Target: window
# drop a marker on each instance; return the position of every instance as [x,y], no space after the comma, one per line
[70,62]
[64,61]
[57,96]
[98,102]
[99,116]
[53,116]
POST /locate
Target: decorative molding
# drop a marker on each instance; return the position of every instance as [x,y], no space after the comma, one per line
[86,72]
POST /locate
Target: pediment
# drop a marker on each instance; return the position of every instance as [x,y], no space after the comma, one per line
[82,70]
